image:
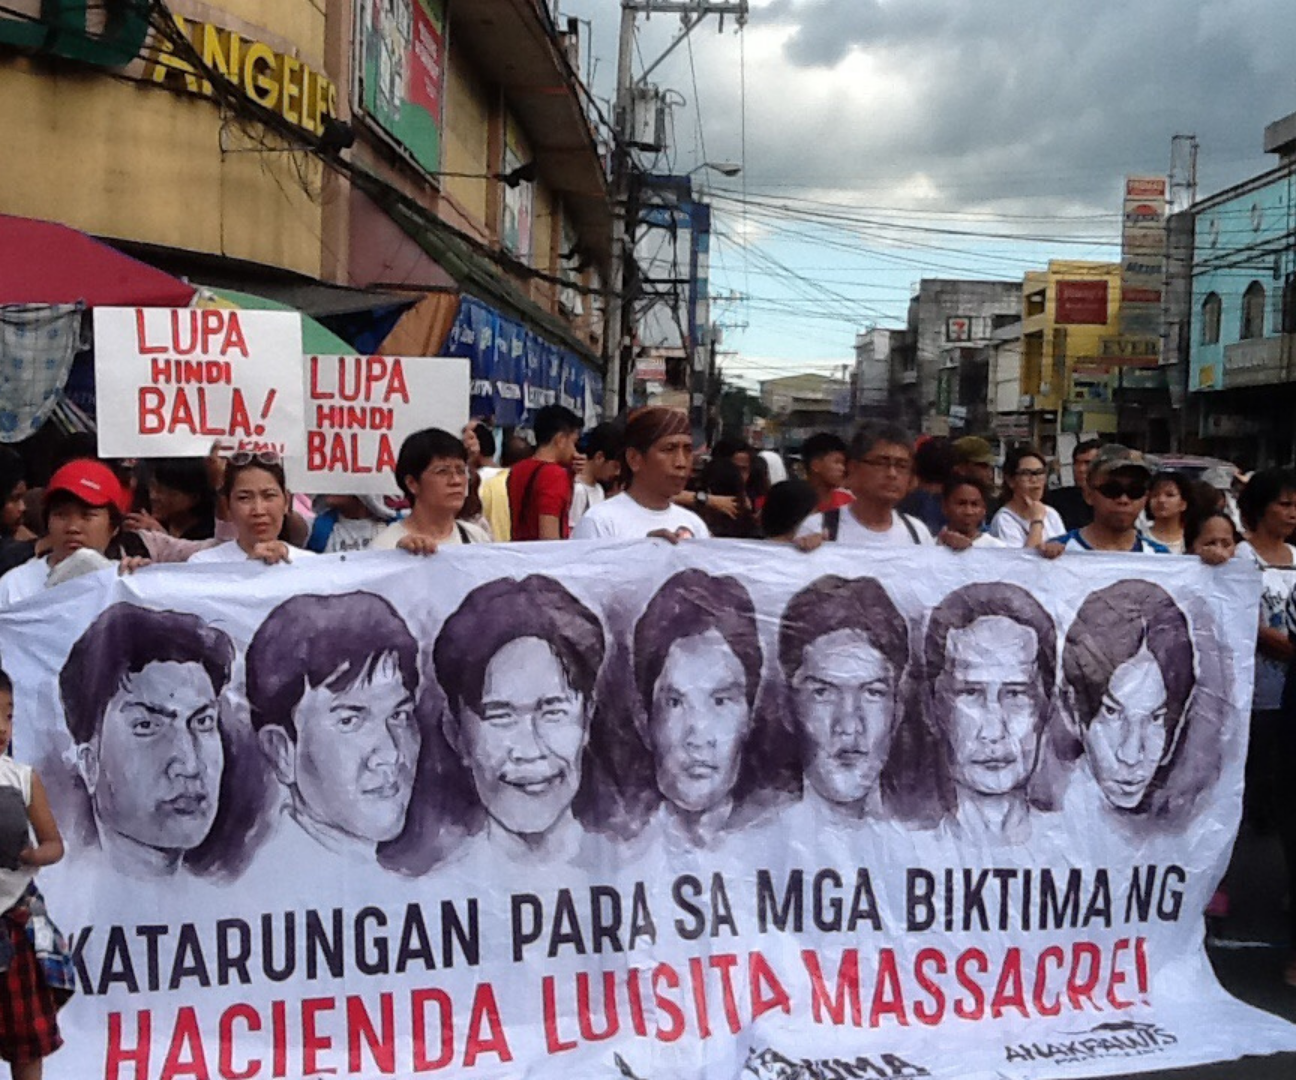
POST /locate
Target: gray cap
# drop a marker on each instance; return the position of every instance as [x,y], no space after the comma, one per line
[1113,456]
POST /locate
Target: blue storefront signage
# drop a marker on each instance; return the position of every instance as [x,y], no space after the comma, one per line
[514,371]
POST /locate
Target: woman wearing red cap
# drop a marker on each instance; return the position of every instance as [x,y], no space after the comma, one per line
[83,506]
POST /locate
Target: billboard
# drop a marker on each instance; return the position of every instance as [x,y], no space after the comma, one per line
[402,50]
[1081,303]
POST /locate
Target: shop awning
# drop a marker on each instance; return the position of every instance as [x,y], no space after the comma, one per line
[43,262]
[316,337]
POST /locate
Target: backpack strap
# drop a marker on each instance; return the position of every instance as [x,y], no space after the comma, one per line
[832,523]
[465,537]
[913,533]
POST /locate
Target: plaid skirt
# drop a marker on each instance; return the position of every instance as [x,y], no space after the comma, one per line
[28,1012]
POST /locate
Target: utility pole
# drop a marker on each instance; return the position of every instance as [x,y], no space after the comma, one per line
[617,333]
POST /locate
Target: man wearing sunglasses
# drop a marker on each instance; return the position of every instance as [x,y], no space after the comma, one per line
[1117,490]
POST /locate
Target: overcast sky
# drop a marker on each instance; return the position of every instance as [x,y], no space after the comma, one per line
[954,116]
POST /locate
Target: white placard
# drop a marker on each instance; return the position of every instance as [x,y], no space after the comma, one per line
[170,382]
[359,409]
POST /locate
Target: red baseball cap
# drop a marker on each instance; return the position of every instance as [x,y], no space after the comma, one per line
[90,481]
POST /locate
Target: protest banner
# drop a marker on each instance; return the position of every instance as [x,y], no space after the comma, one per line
[641,810]
[170,382]
[359,409]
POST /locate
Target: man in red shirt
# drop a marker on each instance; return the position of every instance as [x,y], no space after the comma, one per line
[540,488]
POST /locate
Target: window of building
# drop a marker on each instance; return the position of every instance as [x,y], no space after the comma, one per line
[1253,311]
[1289,306]
[1210,315]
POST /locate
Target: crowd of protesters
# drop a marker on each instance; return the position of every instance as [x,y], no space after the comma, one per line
[638,478]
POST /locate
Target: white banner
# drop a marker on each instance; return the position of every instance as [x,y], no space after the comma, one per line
[170,382]
[359,409]
[633,810]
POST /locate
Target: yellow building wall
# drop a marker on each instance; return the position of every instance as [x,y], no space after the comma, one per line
[134,161]
[466,148]
[1049,376]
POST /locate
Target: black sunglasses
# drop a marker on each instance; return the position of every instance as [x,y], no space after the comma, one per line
[1130,489]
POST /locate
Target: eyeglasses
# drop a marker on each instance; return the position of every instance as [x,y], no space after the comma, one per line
[1131,489]
[1031,474]
[450,472]
[889,464]
[258,457]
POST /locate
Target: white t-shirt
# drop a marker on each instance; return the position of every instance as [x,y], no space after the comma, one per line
[352,534]
[584,498]
[1276,585]
[623,517]
[24,581]
[396,532]
[231,552]
[850,531]
[1010,527]
[13,883]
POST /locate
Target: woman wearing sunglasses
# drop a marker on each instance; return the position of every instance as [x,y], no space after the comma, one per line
[256,500]
[1024,521]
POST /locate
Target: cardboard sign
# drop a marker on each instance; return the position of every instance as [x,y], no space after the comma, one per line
[359,409]
[171,381]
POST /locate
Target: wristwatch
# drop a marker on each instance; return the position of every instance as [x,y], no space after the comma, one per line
[700,498]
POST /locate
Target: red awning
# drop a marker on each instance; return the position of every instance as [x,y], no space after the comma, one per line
[42,262]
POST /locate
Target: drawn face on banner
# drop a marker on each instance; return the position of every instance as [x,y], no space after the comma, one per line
[524,747]
[844,694]
[154,767]
[1126,741]
[700,721]
[355,753]
[993,704]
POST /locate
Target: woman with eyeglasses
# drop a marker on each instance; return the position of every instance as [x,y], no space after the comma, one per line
[432,471]
[256,501]
[1024,521]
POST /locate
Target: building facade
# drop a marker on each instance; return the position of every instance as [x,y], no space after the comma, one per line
[939,384]
[1242,330]
[433,163]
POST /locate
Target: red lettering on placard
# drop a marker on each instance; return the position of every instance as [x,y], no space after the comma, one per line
[314,1042]
[185,1056]
[554,1042]
[396,386]
[888,998]
[485,1033]
[934,958]
[1054,954]
[419,999]
[1117,977]
[152,421]
[361,1035]
[142,345]
[725,963]
[1080,990]
[585,1012]
[665,977]
[137,1056]
[767,993]
[1141,966]
[966,960]
[250,1017]
[847,993]
[1010,992]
